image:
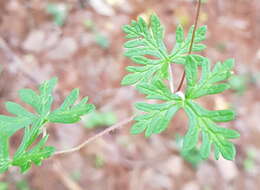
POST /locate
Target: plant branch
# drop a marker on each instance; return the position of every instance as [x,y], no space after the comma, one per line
[93,138]
[192,40]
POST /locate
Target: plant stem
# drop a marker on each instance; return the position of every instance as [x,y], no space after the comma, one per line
[171,79]
[93,138]
[192,40]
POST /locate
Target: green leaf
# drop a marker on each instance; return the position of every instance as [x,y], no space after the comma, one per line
[157,90]
[69,112]
[131,79]
[100,119]
[4,185]
[46,97]
[30,97]
[29,152]
[38,153]
[191,71]
[219,115]
[146,39]
[209,82]
[198,47]
[138,127]
[200,34]
[59,11]
[204,121]
[71,115]
[142,60]
[157,28]
[70,100]
[156,119]
[206,145]
[182,45]
[191,138]
[18,110]
[134,43]
[9,125]
[145,47]
[179,34]
[4,153]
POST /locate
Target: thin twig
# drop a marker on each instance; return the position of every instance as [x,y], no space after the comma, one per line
[171,79]
[93,138]
[192,40]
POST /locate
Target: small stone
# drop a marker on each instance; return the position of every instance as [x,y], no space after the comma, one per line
[34,41]
[227,169]
[66,48]
[159,180]
[191,186]
[102,8]
[207,171]
[173,166]
[51,40]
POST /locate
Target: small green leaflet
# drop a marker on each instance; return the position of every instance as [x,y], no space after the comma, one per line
[59,11]
[69,112]
[33,124]
[157,90]
[211,82]
[146,48]
[156,119]
[158,116]
[145,40]
[202,120]
[182,45]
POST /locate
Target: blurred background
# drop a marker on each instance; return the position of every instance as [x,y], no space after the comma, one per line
[81,42]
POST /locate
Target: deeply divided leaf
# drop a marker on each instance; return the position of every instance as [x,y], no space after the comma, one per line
[156,119]
[211,82]
[203,121]
[146,48]
[28,151]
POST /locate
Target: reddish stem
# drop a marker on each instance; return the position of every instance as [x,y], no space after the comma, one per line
[192,40]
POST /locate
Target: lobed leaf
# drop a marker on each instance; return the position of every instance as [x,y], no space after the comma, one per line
[28,152]
[4,153]
[182,45]
[71,115]
[156,119]
[203,121]
[209,82]
[157,90]
[146,48]
[146,40]
[179,34]
[38,153]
